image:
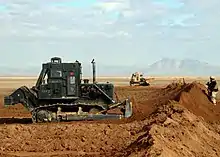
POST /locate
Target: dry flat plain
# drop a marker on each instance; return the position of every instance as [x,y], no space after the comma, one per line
[169,120]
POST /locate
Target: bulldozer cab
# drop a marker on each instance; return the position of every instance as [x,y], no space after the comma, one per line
[59,79]
[136,77]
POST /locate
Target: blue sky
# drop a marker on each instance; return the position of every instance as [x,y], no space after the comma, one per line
[114,32]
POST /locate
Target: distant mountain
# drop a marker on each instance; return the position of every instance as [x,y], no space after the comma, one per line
[163,67]
[101,70]
[176,67]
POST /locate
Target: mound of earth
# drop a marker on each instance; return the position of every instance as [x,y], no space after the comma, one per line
[194,97]
[171,121]
[174,132]
[170,131]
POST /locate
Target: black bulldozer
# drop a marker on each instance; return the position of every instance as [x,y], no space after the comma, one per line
[60,94]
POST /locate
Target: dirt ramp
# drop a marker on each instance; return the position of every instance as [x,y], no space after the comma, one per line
[184,134]
[147,99]
[173,131]
[194,97]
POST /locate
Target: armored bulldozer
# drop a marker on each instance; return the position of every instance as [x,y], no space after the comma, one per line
[60,94]
[137,79]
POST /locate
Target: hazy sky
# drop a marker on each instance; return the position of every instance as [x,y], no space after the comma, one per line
[112,31]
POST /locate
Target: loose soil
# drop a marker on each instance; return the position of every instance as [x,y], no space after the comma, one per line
[177,120]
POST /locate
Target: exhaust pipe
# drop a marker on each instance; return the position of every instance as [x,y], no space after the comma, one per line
[93,71]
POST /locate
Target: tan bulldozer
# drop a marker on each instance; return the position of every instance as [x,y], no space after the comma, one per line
[137,79]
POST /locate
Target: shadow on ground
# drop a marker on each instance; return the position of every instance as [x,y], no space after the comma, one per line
[15,120]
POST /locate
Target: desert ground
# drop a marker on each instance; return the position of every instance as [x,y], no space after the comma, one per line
[169,120]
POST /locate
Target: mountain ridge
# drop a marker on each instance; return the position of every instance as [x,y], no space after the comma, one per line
[162,67]
[189,67]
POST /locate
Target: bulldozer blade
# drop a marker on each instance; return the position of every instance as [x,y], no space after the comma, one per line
[92,117]
[127,106]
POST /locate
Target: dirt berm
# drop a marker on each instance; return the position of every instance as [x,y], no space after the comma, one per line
[171,122]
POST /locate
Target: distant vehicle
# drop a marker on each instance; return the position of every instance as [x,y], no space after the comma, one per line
[137,79]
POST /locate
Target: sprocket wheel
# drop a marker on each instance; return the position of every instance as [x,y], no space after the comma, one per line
[42,116]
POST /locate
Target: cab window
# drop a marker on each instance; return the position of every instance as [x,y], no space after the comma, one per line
[56,73]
